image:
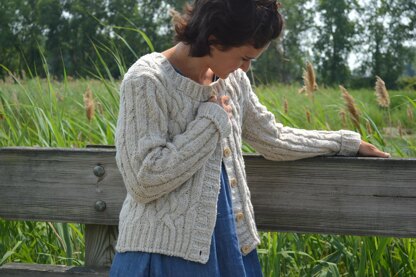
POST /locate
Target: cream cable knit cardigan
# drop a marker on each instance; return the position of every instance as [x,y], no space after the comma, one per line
[170,143]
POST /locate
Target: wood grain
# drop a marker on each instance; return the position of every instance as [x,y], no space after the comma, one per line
[59,185]
[40,270]
[100,242]
[363,196]
[360,196]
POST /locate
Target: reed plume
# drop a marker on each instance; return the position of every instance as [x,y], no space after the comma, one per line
[352,108]
[1,111]
[343,119]
[309,80]
[100,108]
[308,116]
[409,113]
[383,98]
[302,90]
[15,100]
[286,106]
[400,128]
[89,103]
[59,97]
[368,127]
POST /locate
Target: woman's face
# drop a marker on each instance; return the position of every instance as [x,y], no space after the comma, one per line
[222,63]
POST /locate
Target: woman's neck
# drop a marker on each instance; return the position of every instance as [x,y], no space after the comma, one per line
[195,68]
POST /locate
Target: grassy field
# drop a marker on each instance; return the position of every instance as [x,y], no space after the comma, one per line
[70,113]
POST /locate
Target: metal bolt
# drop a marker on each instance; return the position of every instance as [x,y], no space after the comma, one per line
[99,171]
[100,206]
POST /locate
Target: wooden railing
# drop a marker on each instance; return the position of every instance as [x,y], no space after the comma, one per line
[331,195]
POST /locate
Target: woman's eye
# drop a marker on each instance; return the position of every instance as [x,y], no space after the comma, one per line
[248,60]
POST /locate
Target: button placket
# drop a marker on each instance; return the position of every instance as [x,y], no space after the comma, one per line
[239,216]
[233,182]
[245,249]
[227,152]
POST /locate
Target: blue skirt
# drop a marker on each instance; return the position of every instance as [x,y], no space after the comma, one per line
[225,257]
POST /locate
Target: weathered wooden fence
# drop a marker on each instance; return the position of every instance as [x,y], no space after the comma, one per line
[337,195]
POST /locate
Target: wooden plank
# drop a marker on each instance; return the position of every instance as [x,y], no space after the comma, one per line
[59,185]
[100,242]
[39,270]
[363,196]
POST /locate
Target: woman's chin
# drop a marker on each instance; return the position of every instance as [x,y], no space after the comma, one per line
[224,76]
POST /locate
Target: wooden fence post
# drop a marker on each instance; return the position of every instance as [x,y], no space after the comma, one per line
[100,245]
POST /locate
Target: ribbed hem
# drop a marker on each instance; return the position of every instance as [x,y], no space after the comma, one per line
[350,143]
[122,249]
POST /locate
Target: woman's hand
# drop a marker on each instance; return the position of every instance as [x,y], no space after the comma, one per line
[224,102]
[368,150]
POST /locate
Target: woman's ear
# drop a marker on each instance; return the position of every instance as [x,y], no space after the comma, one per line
[212,40]
[215,44]
[212,44]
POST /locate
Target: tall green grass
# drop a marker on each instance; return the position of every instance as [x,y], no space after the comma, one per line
[48,113]
[329,255]
[391,129]
[41,242]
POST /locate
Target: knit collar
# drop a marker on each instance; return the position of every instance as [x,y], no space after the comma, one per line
[184,84]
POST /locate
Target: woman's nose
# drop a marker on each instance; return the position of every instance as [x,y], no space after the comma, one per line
[245,66]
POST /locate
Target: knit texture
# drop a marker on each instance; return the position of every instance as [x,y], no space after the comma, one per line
[170,142]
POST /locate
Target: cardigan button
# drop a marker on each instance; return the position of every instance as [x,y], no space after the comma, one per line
[245,249]
[233,182]
[227,152]
[239,216]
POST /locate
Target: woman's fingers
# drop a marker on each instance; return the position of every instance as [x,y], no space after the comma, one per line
[368,150]
[213,99]
[224,102]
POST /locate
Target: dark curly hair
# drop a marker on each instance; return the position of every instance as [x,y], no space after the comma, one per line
[227,23]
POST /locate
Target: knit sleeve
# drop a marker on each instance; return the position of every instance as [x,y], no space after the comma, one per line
[151,162]
[277,142]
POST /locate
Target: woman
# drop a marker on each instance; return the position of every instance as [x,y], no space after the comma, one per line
[183,115]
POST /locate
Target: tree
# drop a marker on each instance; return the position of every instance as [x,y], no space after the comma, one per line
[298,23]
[334,40]
[21,37]
[388,28]
[129,19]
[177,4]
[50,20]
[285,58]
[8,37]
[82,29]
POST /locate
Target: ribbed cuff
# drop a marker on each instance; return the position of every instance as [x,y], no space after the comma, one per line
[350,142]
[218,115]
